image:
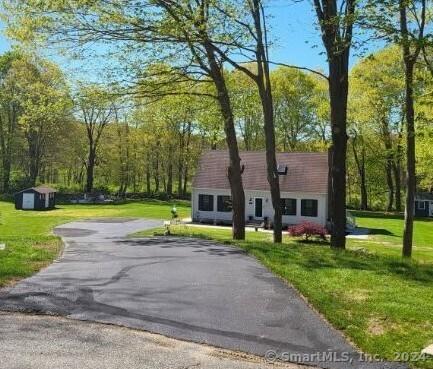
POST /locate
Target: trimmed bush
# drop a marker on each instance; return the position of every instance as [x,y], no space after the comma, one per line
[307,230]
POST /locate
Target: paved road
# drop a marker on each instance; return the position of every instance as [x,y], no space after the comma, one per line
[188,289]
[41,342]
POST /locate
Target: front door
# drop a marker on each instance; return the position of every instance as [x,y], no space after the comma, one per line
[28,200]
[258,206]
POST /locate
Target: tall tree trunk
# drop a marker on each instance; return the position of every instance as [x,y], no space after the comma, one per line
[271,162]
[148,186]
[187,159]
[336,26]
[90,170]
[170,176]
[8,126]
[396,168]
[234,171]
[410,161]
[389,160]
[338,90]
[156,174]
[34,152]
[185,180]
[360,165]
[6,172]
[410,58]
[263,82]
[179,178]
[180,163]
[390,184]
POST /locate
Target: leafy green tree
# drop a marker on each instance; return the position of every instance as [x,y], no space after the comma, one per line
[294,94]
[45,107]
[95,107]
[9,115]
[405,23]
[377,106]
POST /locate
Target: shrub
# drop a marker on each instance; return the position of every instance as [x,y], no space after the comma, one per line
[308,229]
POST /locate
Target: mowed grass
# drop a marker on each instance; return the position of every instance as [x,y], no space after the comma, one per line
[31,245]
[380,302]
[386,235]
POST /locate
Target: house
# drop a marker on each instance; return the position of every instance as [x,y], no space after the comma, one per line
[36,198]
[424,204]
[303,185]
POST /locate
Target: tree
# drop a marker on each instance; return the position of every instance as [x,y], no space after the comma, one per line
[295,108]
[411,48]
[9,114]
[247,111]
[96,109]
[377,82]
[360,161]
[409,33]
[336,24]
[246,33]
[181,33]
[45,108]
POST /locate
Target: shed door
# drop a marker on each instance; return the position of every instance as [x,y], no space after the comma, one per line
[28,200]
[47,200]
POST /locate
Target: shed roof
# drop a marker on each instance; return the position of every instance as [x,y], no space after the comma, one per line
[424,196]
[40,189]
[306,171]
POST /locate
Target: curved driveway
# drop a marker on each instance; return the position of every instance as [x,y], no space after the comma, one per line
[184,288]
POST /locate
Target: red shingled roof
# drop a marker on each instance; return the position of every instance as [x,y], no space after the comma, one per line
[307,171]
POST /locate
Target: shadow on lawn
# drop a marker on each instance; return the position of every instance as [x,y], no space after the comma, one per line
[317,258]
[380,231]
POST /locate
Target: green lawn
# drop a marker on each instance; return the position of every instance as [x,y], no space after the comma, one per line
[381,302]
[30,244]
[386,232]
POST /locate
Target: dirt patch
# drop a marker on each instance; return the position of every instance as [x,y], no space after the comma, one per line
[376,326]
[358,295]
[51,246]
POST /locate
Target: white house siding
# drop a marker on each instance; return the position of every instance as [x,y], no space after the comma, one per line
[322,208]
[268,210]
[214,215]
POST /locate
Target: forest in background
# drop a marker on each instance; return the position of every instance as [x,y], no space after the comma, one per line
[53,134]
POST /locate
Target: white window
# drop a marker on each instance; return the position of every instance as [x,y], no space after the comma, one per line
[421,205]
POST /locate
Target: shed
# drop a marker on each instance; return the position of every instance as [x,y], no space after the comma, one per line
[36,198]
[424,204]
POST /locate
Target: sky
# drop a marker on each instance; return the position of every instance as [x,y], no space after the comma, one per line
[293,29]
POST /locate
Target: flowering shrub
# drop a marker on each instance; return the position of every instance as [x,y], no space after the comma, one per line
[308,229]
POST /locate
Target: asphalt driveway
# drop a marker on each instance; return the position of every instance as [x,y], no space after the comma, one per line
[183,288]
